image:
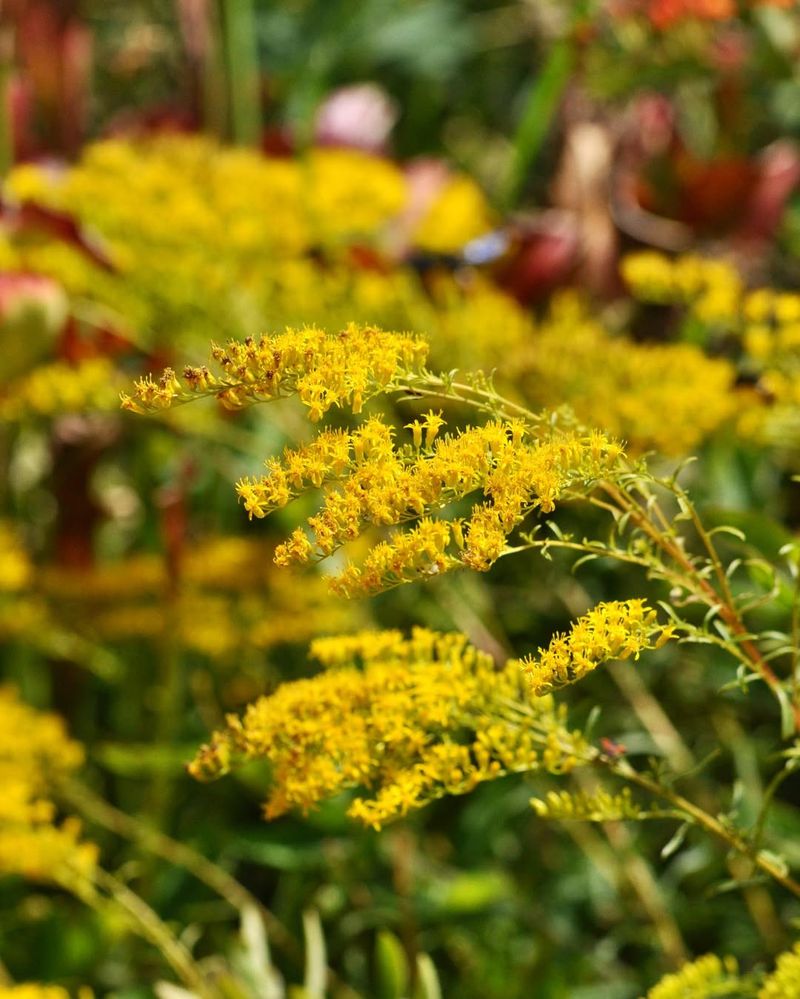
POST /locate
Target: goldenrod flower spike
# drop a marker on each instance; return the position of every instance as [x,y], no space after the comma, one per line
[406,720]
[711,288]
[623,386]
[614,630]
[367,480]
[322,369]
[601,806]
[709,976]
[35,752]
[784,982]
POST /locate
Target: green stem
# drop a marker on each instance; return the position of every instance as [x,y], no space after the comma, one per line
[96,810]
[170,706]
[621,768]
[241,52]
[487,400]
[711,597]
[152,929]
[707,822]
[540,109]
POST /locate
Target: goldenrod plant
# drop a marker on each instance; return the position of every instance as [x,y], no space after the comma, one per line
[425,622]
[404,721]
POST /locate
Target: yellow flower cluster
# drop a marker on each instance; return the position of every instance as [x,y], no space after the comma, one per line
[348,193]
[601,806]
[322,369]
[16,571]
[370,481]
[35,752]
[772,323]
[712,289]
[52,389]
[614,630]
[784,982]
[407,720]
[766,321]
[227,598]
[709,976]
[771,338]
[459,214]
[474,325]
[204,237]
[644,394]
[571,358]
[30,990]
[213,196]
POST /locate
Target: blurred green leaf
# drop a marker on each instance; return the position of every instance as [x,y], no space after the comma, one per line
[391,967]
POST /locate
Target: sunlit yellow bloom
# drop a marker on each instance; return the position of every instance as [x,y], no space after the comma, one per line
[16,571]
[350,193]
[651,274]
[622,387]
[615,630]
[457,215]
[368,480]
[704,978]
[29,990]
[206,238]
[53,389]
[569,358]
[35,753]
[784,982]
[321,369]
[404,720]
[712,289]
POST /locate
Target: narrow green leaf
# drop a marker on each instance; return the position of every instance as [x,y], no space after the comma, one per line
[537,116]
[428,986]
[676,841]
[391,967]
[316,971]
[241,52]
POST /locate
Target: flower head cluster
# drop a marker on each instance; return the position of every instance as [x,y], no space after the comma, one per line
[766,321]
[405,720]
[53,389]
[571,358]
[615,630]
[30,990]
[224,597]
[771,339]
[772,324]
[622,386]
[35,752]
[203,237]
[16,570]
[218,197]
[368,480]
[712,289]
[784,982]
[601,806]
[457,215]
[321,369]
[709,976]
